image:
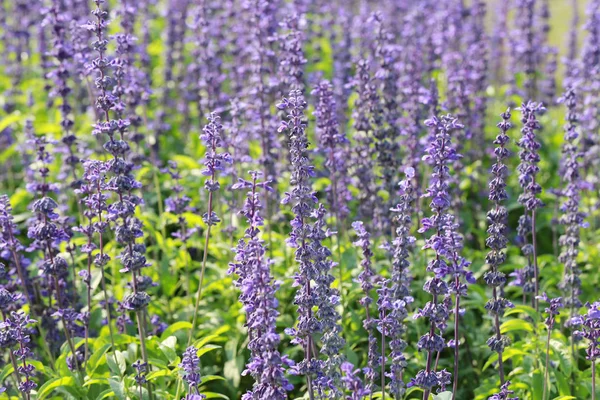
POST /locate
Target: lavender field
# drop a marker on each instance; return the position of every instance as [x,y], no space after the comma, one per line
[295,199]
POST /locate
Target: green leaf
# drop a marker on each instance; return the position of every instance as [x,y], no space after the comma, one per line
[212,395]
[116,362]
[177,326]
[6,371]
[209,378]
[106,394]
[507,354]
[95,358]
[443,396]
[516,325]
[157,374]
[118,387]
[10,119]
[48,387]
[562,384]
[208,348]
[537,385]
[167,347]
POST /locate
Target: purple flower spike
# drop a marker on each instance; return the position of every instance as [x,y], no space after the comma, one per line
[504,393]
[572,218]
[314,263]
[497,241]
[447,244]
[334,144]
[258,289]
[528,169]
[367,279]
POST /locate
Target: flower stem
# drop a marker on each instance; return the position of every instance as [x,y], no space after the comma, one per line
[456,337]
[535,263]
[547,364]
[202,270]
[593,379]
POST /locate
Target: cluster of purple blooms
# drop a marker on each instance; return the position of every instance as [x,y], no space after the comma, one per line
[447,243]
[572,218]
[497,240]
[314,264]
[257,287]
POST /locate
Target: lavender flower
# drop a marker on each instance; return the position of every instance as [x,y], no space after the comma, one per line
[572,218]
[528,170]
[292,60]
[313,260]
[353,383]
[178,203]
[11,248]
[214,161]
[133,87]
[477,78]
[366,114]
[126,226]
[367,279]
[447,244]
[400,284]
[16,326]
[504,393]
[190,371]
[262,84]
[62,51]
[497,240]
[590,71]
[386,145]
[258,297]
[589,328]
[552,310]
[524,44]
[335,146]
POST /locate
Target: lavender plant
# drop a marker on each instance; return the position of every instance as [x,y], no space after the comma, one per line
[497,240]
[528,169]
[266,365]
[126,227]
[572,218]
[314,264]
[447,263]
[589,328]
[368,279]
[214,162]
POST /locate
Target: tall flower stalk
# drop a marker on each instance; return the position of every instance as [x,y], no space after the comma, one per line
[266,365]
[446,242]
[399,284]
[127,228]
[14,331]
[554,305]
[62,51]
[366,117]
[334,143]
[95,206]
[528,170]
[572,218]
[497,240]
[214,161]
[589,328]
[367,279]
[323,376]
